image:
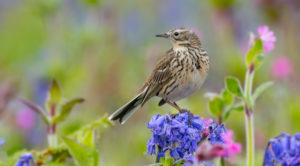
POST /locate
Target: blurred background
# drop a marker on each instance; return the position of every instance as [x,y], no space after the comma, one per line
[103,50]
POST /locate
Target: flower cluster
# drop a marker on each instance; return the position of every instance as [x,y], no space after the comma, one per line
[283,149]
[26,160]
[178,134]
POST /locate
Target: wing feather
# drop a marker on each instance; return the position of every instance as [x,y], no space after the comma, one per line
[160,75]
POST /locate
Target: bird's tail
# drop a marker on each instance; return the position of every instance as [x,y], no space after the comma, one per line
[123,113]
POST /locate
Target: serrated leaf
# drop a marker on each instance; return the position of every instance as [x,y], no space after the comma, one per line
[66,109]
[216,106]
[254,51]
[54,95]
[233,85]
[259,90]
[227,97]
[82,154]
[36,109]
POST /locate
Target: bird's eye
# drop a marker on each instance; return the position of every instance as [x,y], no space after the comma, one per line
[176,34]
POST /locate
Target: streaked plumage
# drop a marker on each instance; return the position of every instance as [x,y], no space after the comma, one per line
[177,75]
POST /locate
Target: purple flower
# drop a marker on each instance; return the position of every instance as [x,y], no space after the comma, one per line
[267,38]
[215,133]
[2,141]
[178,134]
[283,149]
[26,160]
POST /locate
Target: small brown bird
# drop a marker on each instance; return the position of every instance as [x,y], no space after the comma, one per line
[177,75]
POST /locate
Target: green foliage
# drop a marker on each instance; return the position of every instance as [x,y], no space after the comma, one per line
[12,160]
[233,85]
[227,97]
[82,154]
[66,109]
[221,105]
[54,95]
[216,106]
[168,161]
[259,90]
[254,52]
[82,144]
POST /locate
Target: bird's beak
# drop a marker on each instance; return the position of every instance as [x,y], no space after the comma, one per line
[163,35]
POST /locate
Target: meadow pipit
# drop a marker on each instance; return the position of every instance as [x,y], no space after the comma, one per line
[177,75]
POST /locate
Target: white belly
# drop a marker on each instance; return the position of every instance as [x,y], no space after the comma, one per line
[193,84]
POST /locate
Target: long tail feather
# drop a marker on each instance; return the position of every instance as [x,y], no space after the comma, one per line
[123,113]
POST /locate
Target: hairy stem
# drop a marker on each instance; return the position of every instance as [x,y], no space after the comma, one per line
[249,116]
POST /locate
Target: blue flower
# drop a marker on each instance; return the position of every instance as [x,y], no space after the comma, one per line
[283,149]
[178,134]
[26,160]
[2,141]
[215,133]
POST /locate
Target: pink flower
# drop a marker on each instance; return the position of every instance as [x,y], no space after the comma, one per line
[281,67]
[207,123]
[230,148]
[207,151]
[267,38]
[25,119]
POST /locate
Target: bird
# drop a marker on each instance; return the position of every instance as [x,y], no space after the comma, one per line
[178,74]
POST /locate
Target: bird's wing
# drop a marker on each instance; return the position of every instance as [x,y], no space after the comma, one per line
[159,76]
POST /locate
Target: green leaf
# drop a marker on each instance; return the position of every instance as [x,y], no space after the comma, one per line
[179,163]
[216,106]
[258,61]
[168,161]
[261,89]
[82,154]
[66,109]
[227,97]
[36,109]
[89,138]
[226,115]
[252,53]
[237,108]
[233,86]
[54,95]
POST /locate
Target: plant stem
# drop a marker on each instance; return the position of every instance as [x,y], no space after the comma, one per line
[249,116]
[52,137]
[222,161]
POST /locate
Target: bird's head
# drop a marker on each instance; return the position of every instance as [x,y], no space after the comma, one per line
[182,37]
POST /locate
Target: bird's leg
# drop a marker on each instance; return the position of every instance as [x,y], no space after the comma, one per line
[173,104]
[182,110]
